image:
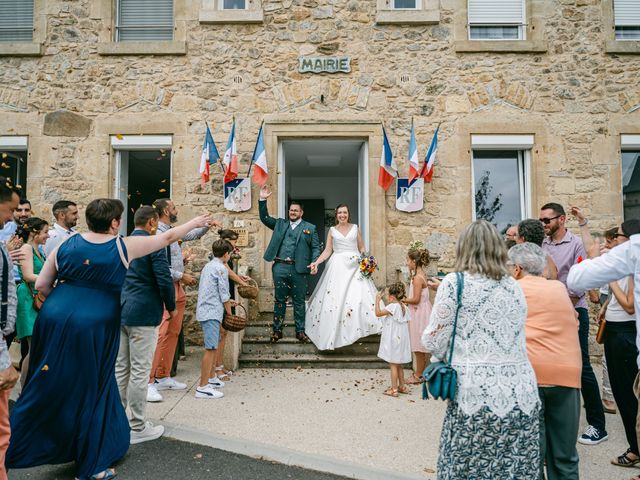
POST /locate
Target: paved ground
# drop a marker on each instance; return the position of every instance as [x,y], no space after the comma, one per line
[328,420]
[166,459]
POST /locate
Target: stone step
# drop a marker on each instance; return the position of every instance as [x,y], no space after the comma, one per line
[289,345]
[311,361]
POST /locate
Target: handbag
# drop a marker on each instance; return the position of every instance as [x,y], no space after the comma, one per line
[38,298]
[441,379]
[601,329]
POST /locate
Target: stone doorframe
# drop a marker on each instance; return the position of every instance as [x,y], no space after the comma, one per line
[278,127]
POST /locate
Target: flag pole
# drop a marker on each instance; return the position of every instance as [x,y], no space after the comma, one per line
[254,149]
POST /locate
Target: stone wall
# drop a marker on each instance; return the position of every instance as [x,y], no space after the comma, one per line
[574,97]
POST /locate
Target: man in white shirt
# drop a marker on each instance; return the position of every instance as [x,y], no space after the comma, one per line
[66,214]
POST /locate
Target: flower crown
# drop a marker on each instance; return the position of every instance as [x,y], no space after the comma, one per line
[416,245]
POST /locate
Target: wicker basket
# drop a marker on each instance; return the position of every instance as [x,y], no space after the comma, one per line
[235,323]
[249,291]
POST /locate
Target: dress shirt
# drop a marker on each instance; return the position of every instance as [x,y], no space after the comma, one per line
[618,263]
[12,300]
[565,253]
[293,225]
[8,230]
[176,262]
[57,235]
[213,291]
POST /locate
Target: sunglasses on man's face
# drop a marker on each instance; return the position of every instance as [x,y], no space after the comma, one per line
[547,221]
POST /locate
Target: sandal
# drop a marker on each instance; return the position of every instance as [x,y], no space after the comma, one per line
[403,389]
[624,460]
[391,392]
[413,380]
[220,373]
[108,474]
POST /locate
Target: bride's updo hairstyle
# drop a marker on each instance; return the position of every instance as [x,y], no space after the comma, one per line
[342,205]
[420,256]
[101,212]
[397,290]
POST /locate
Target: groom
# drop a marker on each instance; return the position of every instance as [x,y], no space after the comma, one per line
[293,246]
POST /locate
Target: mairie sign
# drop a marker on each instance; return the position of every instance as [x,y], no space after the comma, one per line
[324,64]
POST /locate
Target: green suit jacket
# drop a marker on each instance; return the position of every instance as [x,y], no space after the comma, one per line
[307,242]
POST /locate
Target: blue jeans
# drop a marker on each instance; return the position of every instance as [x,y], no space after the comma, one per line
[590,390]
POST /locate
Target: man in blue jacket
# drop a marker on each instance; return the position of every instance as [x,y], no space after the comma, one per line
[147,290]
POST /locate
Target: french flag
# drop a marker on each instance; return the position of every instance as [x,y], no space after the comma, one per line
[259,161]
[414,163]
[388,168]
[430,159]
[209,156]
[230,160]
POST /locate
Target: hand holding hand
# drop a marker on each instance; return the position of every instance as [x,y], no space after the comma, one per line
[264,192]
[579,214]
[314,269]
[8,378]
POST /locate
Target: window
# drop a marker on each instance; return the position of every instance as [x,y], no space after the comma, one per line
[144,20]
[406,4]
[501,173]
[13,160]
[233,4]
[630,175]
[627,19]
[16,21]
[142,172]
[496,19]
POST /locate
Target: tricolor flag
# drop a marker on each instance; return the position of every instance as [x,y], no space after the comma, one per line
[430,159]
[259,161]
[230,160]
[209,156]
[388,168]
[414,163]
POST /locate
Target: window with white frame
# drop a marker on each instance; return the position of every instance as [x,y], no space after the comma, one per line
[496,19]
[406,4]
[142,172]
[13,159]
[16,21]
[501,178]
[630,145]
[233,4]
[144,20]
[627,19]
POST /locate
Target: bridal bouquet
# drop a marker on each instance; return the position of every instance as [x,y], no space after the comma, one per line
[367,264]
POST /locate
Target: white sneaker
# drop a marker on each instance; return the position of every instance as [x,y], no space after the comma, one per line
[152,394]
[215,382]
[150,432]
[169,383]
[208,392]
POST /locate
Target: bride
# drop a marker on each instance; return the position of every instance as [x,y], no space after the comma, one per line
[341,308]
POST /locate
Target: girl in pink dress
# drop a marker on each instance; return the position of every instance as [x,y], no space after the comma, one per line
[420,309]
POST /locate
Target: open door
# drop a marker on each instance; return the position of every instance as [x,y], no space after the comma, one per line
[363,193]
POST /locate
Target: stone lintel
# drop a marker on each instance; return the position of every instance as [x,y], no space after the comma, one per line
[320,118]
[21,49]
[629,47]
[62,123]
[504,46]
[143,48]
[407,17]
[231,16]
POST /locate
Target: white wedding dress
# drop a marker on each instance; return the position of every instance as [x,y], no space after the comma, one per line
[341,308]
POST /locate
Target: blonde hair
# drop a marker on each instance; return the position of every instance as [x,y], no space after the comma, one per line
[481,250]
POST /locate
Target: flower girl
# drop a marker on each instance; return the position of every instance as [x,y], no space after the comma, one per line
[395,347]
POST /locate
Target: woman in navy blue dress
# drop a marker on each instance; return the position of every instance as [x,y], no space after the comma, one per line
[70,409]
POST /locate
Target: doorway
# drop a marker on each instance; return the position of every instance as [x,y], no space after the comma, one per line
[322,173]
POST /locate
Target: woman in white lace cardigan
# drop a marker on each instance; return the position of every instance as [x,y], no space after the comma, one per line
[491,428]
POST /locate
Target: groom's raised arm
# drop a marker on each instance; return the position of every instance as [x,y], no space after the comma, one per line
[268,221]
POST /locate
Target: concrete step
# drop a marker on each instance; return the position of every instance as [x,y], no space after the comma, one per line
[311,361]
[288,345]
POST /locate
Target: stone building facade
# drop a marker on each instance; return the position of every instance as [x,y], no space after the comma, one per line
[566,96]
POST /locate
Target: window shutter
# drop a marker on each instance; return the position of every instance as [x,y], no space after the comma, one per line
[16,20]
[491,12]
[145,20]
[627,13]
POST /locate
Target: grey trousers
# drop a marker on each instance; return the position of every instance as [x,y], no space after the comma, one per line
[133,365]
[560,419]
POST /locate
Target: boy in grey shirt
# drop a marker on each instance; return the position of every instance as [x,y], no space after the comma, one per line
[213,301]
